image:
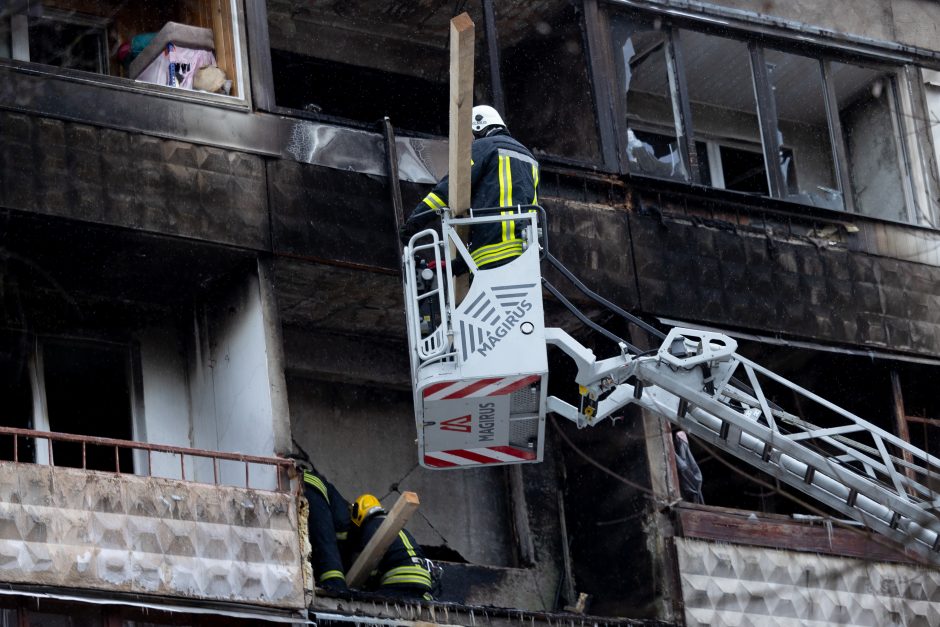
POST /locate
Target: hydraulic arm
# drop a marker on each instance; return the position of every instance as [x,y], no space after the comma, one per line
[479,371]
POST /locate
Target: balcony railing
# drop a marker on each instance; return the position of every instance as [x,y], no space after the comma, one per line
[264,465]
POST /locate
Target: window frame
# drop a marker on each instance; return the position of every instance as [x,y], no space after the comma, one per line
[40,412]
[903,97]
[240,58]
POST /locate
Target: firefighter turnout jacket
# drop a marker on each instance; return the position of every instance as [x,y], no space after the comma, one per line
[328,524]
[403,570]
[503,173]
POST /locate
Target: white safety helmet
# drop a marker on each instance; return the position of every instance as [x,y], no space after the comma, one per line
[484,116]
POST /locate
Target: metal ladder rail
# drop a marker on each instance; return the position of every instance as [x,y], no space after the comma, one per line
[436,342]
[873,458]
[678,397]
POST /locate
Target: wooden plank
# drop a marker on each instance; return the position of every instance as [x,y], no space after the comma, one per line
[404,507]
[222,24]
[461,105]
[460,135]
[778,532]
[900,421]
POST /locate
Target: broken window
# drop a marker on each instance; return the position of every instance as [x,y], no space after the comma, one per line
[549,102]
[871,129]
[179,43]
[806,164]
[363,60]
[640,55]
[724,111]
[760,120]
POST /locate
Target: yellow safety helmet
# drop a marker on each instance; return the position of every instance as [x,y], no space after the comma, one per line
[363,507]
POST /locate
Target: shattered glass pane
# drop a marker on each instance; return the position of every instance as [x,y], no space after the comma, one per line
[870,126]
[724,112]
[640,55]
[806,157]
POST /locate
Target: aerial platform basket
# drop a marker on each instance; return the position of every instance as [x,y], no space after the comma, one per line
[479,369]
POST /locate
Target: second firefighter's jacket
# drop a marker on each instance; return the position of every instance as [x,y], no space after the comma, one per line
[503,173]
[403,565]
[328,524]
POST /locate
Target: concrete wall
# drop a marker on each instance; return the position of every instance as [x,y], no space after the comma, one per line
[363,440]
[912,22]
[121,533]
[726,584]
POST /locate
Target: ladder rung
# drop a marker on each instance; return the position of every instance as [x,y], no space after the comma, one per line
[725,429]
[768,452]
[683,408]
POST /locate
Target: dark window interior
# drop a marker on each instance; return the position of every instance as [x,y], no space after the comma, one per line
[88,393]
[363,60]
[549,102]
[15,393]
[343,90]
[67,44]
[744,170]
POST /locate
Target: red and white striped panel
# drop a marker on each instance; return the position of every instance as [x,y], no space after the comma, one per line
[477,387]
[478,456]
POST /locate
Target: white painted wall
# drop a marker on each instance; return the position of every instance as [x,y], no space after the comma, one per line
[230,387]
[214,383]
[166,413]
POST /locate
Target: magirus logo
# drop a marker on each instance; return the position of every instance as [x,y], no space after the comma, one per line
[495,313]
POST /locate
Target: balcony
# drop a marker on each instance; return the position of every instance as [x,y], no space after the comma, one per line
[160,533]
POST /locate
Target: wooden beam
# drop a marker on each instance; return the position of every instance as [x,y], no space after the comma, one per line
[707,522]
[404,507]
[461,104]
[900,419]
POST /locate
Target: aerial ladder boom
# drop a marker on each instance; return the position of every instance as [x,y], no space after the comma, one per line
[497,400]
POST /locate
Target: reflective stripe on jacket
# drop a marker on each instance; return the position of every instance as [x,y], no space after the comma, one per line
[403,564]
[503,173]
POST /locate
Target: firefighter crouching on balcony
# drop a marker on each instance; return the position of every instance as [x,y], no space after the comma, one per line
[503,173]
[403,571]
[328,526]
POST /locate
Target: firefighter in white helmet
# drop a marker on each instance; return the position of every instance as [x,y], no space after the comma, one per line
[503,173]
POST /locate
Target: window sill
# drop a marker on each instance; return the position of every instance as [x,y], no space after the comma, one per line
[776,531]
[124,84]
[748,202]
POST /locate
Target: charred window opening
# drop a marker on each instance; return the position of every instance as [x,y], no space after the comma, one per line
[365,59]
[549,102]
[731,113]
[15,395]
[189,44]
[87,392]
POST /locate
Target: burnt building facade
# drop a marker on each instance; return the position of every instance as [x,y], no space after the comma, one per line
[193,282]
